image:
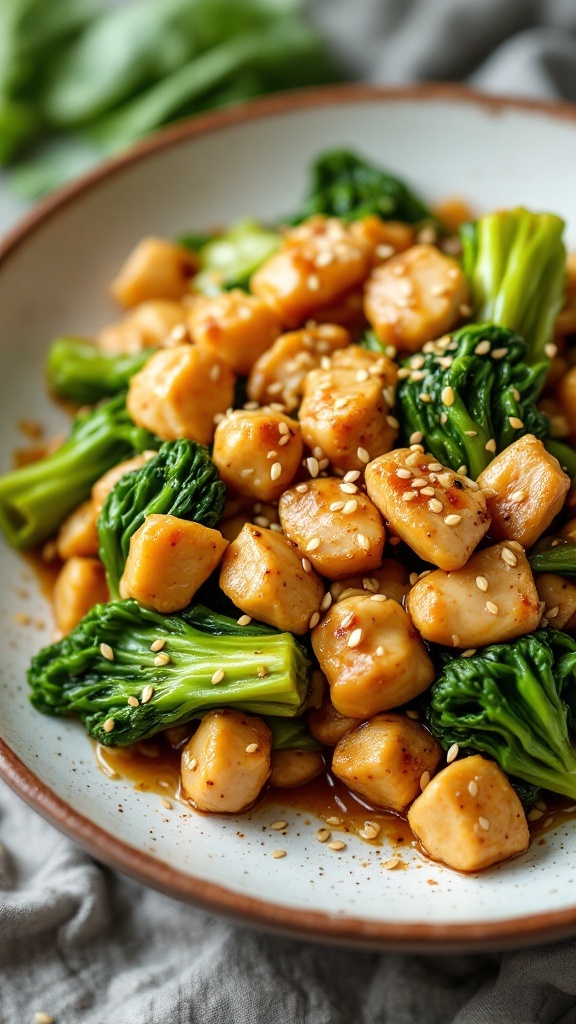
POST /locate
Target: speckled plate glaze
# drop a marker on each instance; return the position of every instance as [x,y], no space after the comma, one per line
[54,272]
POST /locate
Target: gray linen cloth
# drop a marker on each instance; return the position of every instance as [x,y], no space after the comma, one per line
[90,947]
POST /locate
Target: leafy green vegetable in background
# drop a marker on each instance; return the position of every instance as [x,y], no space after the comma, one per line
[291,734]
[36,499]
[77,370]
[513,702]
[515,261]
[230,259]
[565,454]
[97,79]
[343,185]
[181,480]
[485,390]
[73,677]
[560,559]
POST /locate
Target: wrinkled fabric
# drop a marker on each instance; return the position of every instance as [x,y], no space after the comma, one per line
[88,946]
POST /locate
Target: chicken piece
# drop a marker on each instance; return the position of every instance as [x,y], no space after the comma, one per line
[390,578]
[340,533]
[385,759]
[346,311]
[168,560]
[278,374]
[385,237]
[263,575]
[566,319]
[559,597]
[491,599]
[327,725]
[371,656]
[319,261]
[152,324]
[442,516]
[106,483]
[155,269]
[525,489]
[469,816]
[236,326]
[291,768]
[81,583]
[78,535]
[345,410]
[568,530]
[258,453]
[453,212]
[179,391]
[415,297]
[226,762]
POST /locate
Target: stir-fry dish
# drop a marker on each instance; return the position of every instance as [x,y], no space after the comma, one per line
[316,511]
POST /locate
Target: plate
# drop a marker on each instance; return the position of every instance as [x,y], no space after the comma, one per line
[54,272]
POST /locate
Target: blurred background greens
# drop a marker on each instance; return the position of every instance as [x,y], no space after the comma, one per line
[81,80]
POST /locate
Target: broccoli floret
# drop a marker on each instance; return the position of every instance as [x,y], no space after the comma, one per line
[181,480]
[515,262]
[229,260]
[77,370]
[481,367]
[265,672]
[343,185]
[512,702]
[36,499]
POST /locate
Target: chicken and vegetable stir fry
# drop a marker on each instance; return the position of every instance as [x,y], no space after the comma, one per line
[318,511]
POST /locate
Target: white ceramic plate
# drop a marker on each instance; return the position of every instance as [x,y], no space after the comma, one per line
[54,273]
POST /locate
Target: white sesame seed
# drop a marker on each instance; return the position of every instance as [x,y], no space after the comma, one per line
[161,659]
[251,748]
[379,652]
[370,830]
[371,583]
[403,373]
[218,676]
[133,702]
[419,482]
[515,422]
[336,844]
[468,653]
[448,396]
[214,373]
[43,1018]
[352,475]
[247,472]
[403,474]
[435,467]
[435,505]
[551,350]
[499,353]
[482,348]
[409,495]
[278,854]
[413,459]
[107,652]
[244,620]
[425,397]
[314,620]
[490,445]
[341,402]
[275,470]
[355,638]
[413,714]
[473,788]
[491,607]
[301,488]
[508,556]
[109,725]
[452,753]
[535,814]
[363,455]
[378,597]
[283,428]
[362,375]
[392,422]
[313,544]
[158,644]
[392,863]
[326,601]
[312,466]
[323,835]
[271,454]
[278,826]
[285,439]
[428,492]
[518,496]
[306,565]
[416,437]
[383,251]
[424,780]
[348,620]
[166,803]
[350,507]
[262,521]
[553,612]
[337,506]
[334,821]
[313,282]
[348,488]
[452,520]
[363,542]
[484,823]
[147,694]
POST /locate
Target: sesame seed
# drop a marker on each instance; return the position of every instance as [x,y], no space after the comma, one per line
[350,507]
[482,348]
[285,439]
[435,505]
[515,422]
[424,780]
[43,1018]
[462,470]
[363,455]
[341,402]
[109,725]
[392,422]
[247,472]
[107,652]
[435,467]
[278,825]
[323,835]
[403,373]
[351,476]
[378,597]
[471,433]
[448,396]
[518,496]
[337,506]
[313,544]
[275,470]
[271,454]
[218,676]
[425,397]
[314,620]
[166,803]
[553,612]
[379,650]
[490,445]
[403,474]
[508,556]
[534,814]
[312,466]
[348,620]
[362,375]
[392,863]
[283,428]
[363,542]
[336,844]
[413,578]
[158,644]
[452,520]
[409,495]
[161,659]
[468,653]
[147,694]
[313,282]
[551,350]
[413,714]
[413,459]
[428,492]
[262,521]
[301,488]
[334,821]
[278,854]
[452,753]
[417,375]
[325,364]
[419,482]
[499,353]
[214,373]
[473,788]
[306,565]
[133,702]
[416,437]
[384,251]
[543,622]
[244,620]
[326,601]
[355,638]
[484,823]
[251,748]
[491,607]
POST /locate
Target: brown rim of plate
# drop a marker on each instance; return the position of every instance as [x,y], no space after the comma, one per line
[102,845]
